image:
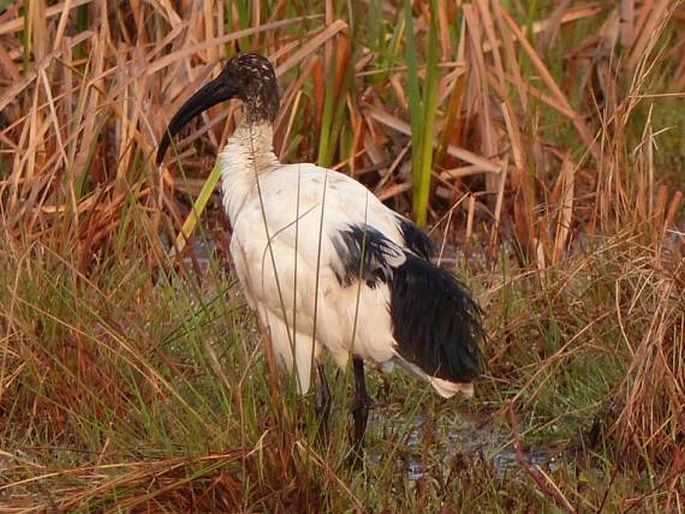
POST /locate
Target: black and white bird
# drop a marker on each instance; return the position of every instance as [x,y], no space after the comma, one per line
[326,265]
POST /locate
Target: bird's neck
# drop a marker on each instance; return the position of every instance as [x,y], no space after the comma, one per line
[247,154]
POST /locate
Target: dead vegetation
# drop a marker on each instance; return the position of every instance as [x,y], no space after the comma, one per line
[545,143]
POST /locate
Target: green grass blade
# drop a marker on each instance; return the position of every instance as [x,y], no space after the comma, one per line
[413,92]
[421,111]
[325,155]
[422,173]
[198,207]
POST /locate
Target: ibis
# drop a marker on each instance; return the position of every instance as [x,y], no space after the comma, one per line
[326,265]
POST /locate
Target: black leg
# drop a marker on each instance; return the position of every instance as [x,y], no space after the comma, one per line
[360,405]
[322,404]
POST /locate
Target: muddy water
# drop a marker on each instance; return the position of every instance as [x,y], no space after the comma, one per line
[447,440]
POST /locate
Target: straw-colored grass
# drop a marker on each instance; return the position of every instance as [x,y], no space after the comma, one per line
[542,141]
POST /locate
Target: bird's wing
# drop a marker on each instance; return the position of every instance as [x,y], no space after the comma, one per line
[334,221]
[323,230]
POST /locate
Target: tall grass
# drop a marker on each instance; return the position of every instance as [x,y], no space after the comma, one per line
[541,140]
[422,106]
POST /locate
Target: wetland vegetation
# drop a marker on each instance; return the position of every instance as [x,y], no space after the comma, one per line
[541,145]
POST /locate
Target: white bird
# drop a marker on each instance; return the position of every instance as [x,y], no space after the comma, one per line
[326,265]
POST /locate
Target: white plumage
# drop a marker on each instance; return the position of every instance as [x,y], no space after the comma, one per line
[325,264]
[284,291]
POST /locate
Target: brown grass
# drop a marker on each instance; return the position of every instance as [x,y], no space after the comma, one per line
[547,161]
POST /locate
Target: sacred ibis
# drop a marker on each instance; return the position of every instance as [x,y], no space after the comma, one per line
[326,265]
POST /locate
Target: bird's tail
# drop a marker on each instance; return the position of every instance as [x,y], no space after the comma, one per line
[436,323]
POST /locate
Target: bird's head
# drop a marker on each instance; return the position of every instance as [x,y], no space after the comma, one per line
[247,76]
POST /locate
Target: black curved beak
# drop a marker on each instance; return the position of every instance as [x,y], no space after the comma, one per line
[218,90]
